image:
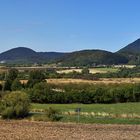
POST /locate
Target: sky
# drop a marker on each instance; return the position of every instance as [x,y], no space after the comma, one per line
[68,25]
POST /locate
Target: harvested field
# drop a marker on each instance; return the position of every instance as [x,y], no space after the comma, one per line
[99,81]
[91,70]
[25,130]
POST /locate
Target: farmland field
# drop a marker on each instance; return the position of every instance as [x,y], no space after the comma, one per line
[109,108]
[122,113]
[91,70]
[99,81]
[15,130]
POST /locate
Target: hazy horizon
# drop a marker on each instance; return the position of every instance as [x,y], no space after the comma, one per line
[68,25]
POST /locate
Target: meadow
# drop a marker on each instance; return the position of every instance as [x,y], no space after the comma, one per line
[119,108]
[121,113]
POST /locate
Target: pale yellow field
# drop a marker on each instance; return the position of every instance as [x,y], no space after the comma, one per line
[91,70]
[101,80]
[69,70]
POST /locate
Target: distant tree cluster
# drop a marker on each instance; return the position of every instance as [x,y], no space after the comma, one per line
[16,104]
[84,93]
[41,92]
[12,81]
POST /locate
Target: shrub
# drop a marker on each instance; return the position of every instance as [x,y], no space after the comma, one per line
[53,114]
[15,105]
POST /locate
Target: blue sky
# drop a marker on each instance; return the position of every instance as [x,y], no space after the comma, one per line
[68,25]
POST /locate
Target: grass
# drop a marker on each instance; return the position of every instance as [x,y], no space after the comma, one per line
[116,109]
[120,108]
[100,120]
[87,119]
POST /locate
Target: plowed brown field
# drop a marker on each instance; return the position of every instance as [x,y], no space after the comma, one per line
[25,130]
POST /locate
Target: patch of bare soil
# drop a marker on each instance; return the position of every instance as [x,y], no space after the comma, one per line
[25,130]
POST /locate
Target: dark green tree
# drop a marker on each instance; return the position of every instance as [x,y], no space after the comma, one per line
[16,85]
[39,92]
[9,78]
[35,77]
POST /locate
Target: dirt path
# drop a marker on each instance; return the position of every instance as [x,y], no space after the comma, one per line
[24,130]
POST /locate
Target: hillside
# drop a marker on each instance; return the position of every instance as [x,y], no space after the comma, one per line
[91,58]
[24,55]
[132,52]
[132,48]
[51,56]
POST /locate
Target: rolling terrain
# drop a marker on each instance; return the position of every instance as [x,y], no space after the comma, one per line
[131,52]
[92,58]
[21,55]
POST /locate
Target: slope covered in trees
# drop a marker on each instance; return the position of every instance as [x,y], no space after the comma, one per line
[92,58]
[21,55]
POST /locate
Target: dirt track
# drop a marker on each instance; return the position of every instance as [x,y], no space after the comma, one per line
[24,130]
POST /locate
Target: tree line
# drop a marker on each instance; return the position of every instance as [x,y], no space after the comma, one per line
[39,91]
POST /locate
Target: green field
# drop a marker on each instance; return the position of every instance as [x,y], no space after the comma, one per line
[120,108]
[122,113]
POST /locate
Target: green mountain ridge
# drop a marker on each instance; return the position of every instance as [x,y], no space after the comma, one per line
[92,58]
[131,52]
[22,55]
[26,55]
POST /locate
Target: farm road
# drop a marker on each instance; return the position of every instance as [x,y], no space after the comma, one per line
[25,130]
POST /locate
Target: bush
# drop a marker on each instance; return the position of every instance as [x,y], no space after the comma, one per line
[15,105]
[53,114]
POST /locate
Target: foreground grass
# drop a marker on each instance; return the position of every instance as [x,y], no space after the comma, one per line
[120,108]
[87,119]
[100,120]
[115,109]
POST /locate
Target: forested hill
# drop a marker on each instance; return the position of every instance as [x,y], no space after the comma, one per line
[21,55]
[26,55]
[132,52]
[92,57]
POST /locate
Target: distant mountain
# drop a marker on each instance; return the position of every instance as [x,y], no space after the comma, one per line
[24,55]
[51,56]
[132,52]
[127,55]
[91,58]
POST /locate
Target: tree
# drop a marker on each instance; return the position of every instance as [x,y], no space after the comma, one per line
[16,85]
[35,77]
[12,75]
[40,92]
[15,105]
